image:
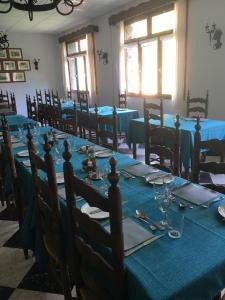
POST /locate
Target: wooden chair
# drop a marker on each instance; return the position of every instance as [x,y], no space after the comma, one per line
[13,102]
[197,106]
[48,98]
[97,276]
[154,111]
[83,100]
[87,126]
[5,106]
[123,100]
[214,145]
[19,204]
[56,111]
[166,145]
[39,97]
[106,128]
[54,94]
[31,108]
[68,122]
[47,109]
[49,215]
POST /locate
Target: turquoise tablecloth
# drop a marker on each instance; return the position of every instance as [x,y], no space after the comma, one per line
[191,268]
[210,129]
[17,121]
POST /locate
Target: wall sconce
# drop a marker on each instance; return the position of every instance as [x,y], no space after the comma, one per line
[36,62]
[103,55]
[215,35]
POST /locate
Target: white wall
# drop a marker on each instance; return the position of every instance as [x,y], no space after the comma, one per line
[206,67]
[49,75]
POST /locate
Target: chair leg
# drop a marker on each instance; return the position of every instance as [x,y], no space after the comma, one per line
[134,150]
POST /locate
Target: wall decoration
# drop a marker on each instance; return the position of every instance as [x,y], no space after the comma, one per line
[4,42]
[3,54]
[23,65]
[215,36]
[15,53]
[4,77]
[18,77]
[36,63]
[9,65]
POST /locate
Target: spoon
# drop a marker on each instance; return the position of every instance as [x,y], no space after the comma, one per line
[141,215]
[152,227]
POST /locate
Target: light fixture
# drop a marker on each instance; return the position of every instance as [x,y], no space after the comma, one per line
[63,7]
[4,42]
[103,55]
[36,62]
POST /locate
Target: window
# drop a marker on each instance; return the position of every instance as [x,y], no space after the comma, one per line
[77,57]
[150,54]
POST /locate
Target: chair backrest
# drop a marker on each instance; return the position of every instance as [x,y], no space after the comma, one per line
[214,145]
[31,108]
[55,94]
[48,98]
[154,111]
[68,123]
[106,128]
[83,100]
[13,172]
[4,100]
[197,106]
[13,102]
[123,100]
[98,276]
[69,94]
[39,97]
[165,142]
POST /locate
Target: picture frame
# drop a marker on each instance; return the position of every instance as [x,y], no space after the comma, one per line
[23,65]
[3,54]
[9,65]
[15,53]
[18,77]
[5,77]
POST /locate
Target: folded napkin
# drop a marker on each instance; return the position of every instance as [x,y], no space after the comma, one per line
[195,193]
[140,169]
[135,236]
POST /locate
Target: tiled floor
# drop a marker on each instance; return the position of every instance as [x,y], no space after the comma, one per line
[21,279]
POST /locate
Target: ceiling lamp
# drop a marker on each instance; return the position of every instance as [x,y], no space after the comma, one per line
[4,42]
[63,7]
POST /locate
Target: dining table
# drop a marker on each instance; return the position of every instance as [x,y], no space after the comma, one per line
[210,129]
[189,268]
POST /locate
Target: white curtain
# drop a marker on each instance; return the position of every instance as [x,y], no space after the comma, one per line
[91,69]
[180,35]
[65,74]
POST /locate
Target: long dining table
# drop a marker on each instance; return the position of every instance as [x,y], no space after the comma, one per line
[189,268]
[210,129]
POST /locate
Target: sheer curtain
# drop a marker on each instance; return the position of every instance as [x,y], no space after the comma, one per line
[178,102]
[65,75]
[91,69]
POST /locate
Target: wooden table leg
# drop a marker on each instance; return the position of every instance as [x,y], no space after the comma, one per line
[134,150]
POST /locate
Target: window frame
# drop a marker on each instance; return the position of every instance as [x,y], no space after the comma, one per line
[75,55]
[138,42]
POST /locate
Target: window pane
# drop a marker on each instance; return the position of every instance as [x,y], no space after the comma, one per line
[168,65]
[72,70]
[163,22]
[149,84]
[83,45]
[135,30]
[132,69]
[81,73]
[72,48]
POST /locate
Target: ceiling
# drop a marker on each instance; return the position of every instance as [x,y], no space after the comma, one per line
[52,22]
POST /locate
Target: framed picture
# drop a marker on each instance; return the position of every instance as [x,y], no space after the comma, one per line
[23,65]
[3,54]
[9,65]
[15,53]
[4,77]
[18,77]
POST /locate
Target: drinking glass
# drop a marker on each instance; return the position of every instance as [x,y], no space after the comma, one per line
[175,223]
[162,200]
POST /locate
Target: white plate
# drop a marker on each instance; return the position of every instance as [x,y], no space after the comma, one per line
[161,180]
[103,154]
[59,177]
[26,163]
[221,210]
[61,136]
[90,211]
[194,119]
[23,153]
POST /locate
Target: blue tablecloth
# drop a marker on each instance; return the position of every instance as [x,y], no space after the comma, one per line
[210,129]
[18,121]
[191,268]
